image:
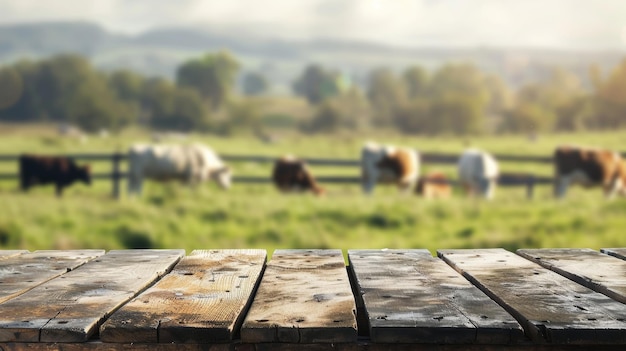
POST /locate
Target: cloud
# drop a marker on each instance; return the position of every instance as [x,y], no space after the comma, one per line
[544,23]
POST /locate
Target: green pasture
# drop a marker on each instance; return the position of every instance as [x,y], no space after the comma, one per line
[257,216]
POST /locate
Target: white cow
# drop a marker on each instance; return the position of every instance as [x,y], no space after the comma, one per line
[388,164]
[478,173]
[191,164]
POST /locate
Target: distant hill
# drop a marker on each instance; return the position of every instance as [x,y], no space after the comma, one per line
[160,51]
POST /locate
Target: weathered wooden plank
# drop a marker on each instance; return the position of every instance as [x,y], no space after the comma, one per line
[201,301]
[550,307]
[10,253]
[358,346]
[616,252]
[412,297]
[19,274]
[602,273]
[304,297]
[76,302]
[100,346]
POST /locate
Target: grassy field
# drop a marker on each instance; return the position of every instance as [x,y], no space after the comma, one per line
[257,216]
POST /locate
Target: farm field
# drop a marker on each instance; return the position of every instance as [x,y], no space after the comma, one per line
[257,216]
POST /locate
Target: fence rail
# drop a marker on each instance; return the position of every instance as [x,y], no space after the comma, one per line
[510,179]
[426,157]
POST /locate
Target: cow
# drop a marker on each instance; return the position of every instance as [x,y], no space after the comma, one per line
[435,185]
[388,164]
[478,173]
[291,174]
[190,164]
[60,171]
[589,167]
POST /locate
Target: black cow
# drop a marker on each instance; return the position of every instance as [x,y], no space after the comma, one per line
[61,171]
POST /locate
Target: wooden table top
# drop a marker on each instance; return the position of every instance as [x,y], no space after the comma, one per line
[475,299]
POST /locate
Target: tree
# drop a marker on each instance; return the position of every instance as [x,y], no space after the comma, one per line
[550,104]
[317,84]
[157,99]
[93,106]
[386,93]
[609,99]
[243,115]
[27,106]
[459,97]
[127,85]
[416,79]
[328,118]
[528,117]
[414,117]
[212,76]
[57,80]
[12,87]
[174,108]
[457,114]
[66,88]
[254,83]
[349,110]
[461,79]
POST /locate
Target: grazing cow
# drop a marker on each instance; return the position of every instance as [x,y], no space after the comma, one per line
[434,186]
[388,164]
[190,164]
[589,167]
[291,174]
[478,173]
[61,171]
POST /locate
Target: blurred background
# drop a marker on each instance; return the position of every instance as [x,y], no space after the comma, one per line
[313,78]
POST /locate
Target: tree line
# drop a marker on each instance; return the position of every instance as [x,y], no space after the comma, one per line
[68,89]
[461,99]
[457,99]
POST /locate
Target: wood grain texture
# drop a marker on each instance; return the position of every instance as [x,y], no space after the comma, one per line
[202,300]
[70,307]
[21,273]
[599,272]
[615,252]
[358,346]
[11,253]
[304,297]
[411,297]
[100,346]
[550,307]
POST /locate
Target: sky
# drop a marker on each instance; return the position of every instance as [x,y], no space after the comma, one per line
[579,24]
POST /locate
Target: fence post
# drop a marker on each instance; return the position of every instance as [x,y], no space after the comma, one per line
[530,186]
[116,175]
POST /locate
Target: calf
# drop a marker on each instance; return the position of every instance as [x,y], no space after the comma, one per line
[434,186]
[61,171]
[478,173]
[388,164]
[589,167]
[291,174]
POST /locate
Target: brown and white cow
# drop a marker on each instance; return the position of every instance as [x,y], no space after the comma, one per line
[390,165]
[435,185]
[292,175]
[589,167]
[60,171]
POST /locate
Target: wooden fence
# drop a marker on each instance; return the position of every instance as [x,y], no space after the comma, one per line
[116,175]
